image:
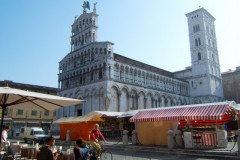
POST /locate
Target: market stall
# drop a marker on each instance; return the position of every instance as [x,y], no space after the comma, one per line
[125,124]
[110,125]
[201,124]
[82,125]
[78,126]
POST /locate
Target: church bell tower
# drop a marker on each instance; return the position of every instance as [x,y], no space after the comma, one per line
[206,81]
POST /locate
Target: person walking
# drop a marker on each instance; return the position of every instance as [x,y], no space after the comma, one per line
[4,137]
[95,135]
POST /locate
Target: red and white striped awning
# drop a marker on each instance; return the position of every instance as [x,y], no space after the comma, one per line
[210,111]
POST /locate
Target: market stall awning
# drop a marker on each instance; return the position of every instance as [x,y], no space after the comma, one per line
[86,118]
[129,114]
[105,113]
[210,111]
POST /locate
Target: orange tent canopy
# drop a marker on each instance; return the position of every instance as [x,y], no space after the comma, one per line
[78,126]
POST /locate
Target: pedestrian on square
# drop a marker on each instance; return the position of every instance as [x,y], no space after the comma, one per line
[4,136]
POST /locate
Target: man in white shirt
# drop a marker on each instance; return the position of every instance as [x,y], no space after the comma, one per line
[4,136]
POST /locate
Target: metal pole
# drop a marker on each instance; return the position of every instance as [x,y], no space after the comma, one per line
[1,128]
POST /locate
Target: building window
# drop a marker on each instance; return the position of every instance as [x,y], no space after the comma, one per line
[199,56]
[6,112]
[213,57]
[79,112]
[196,28]
[207,28]
[46,113]
[229,88]
[199,41]
[196,42]
[19,112]
[238,85]
[34,113]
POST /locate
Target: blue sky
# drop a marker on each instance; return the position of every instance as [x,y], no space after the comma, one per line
[35,35]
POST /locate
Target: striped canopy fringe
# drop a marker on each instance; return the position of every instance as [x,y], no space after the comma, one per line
[195,113]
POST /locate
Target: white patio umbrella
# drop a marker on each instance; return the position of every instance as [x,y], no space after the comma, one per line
[16,98]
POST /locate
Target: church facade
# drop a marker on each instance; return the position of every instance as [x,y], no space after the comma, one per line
[111,82]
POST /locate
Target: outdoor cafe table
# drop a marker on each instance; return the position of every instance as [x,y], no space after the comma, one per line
[29,152]
[17,147]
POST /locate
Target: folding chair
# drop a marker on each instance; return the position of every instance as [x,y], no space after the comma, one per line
[13,153]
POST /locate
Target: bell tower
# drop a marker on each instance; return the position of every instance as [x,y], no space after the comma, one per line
[84,28]
[206,80]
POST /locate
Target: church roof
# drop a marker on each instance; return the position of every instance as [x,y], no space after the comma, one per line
[132,62]
[201,9]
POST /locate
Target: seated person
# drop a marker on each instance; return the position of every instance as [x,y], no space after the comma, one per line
[81,150]
[46,152]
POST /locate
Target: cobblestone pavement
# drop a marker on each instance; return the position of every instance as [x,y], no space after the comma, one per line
[124,155]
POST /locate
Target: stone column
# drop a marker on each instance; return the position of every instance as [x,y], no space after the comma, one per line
[162,102]
[68,139]
[107,72]
[119,73]
[158,102]
[137,101]
[179,140]
[153,101]
[171,142]
[145,102]
[169,102]
[125,137]
[222,138]
[118,98]
[134,137]
[110,72]
[129,101]
[238,140]
[132,97]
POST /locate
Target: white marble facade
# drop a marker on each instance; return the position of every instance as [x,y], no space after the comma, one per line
[111,82]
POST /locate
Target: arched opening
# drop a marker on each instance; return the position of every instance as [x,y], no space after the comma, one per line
[199,56]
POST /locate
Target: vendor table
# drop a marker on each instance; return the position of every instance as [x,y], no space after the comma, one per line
[200,140]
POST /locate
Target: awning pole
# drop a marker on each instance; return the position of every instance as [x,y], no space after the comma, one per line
[1,128]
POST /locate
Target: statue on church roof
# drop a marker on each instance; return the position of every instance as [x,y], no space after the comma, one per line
[95,4]
[94,8]
[85,5]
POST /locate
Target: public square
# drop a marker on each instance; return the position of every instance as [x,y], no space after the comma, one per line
[156,79]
